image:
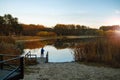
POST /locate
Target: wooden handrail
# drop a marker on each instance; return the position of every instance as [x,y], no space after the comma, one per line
[9,60]
[6,77]
[29,57]
[29,54]
[8,55]
[19,69]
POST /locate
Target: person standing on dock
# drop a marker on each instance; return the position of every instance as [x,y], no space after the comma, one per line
[42,52]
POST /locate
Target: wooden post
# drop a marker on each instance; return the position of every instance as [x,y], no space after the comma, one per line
[21,67]
[1,59]
[46,58]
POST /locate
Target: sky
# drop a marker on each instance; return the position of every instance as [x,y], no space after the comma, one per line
[92,13]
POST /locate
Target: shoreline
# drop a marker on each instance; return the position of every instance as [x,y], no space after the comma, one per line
[69,71]
[38,38]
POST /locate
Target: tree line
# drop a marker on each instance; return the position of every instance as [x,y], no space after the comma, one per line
[69,29]
[9,25]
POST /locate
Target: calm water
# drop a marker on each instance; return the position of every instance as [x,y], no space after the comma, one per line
[60,50]
[55,55]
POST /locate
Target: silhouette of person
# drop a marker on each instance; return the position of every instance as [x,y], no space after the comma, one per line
[42,52]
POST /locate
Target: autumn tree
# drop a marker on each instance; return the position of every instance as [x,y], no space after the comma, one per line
[32,29]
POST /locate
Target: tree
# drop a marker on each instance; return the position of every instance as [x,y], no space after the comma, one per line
[1,25]
[9,25]
[78,27]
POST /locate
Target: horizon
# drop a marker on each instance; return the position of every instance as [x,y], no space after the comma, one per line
[91,13]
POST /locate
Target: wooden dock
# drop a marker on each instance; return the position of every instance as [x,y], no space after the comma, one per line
[41,60]
[31,59]
[11,70]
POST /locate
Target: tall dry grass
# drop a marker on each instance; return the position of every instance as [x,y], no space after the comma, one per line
[8,46]
[7,39]
[103,50]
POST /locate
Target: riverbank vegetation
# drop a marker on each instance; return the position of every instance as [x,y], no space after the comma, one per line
[106,50]
[9,46]
[102,50]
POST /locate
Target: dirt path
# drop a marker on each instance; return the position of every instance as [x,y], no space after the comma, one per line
[70,71]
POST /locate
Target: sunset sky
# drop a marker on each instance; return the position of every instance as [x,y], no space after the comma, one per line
[92,13]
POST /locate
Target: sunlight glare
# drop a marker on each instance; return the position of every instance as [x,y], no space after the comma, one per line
[113,21]
[117,32]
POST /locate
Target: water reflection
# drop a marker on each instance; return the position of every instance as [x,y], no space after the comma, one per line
[103,50]
[60,50]
[55,55]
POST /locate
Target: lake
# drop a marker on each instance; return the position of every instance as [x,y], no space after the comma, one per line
[60,50]
[55,55]
[88,49]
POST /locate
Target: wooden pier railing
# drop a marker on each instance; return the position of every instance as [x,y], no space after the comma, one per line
[30,58]
[11,68]
[29,55]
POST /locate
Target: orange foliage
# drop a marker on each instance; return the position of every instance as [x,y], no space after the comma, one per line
[33,44]
[32,27]
[46,34]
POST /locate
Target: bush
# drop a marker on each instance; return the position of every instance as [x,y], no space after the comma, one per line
[46,34]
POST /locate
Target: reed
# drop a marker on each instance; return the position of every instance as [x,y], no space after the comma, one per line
[102,50]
